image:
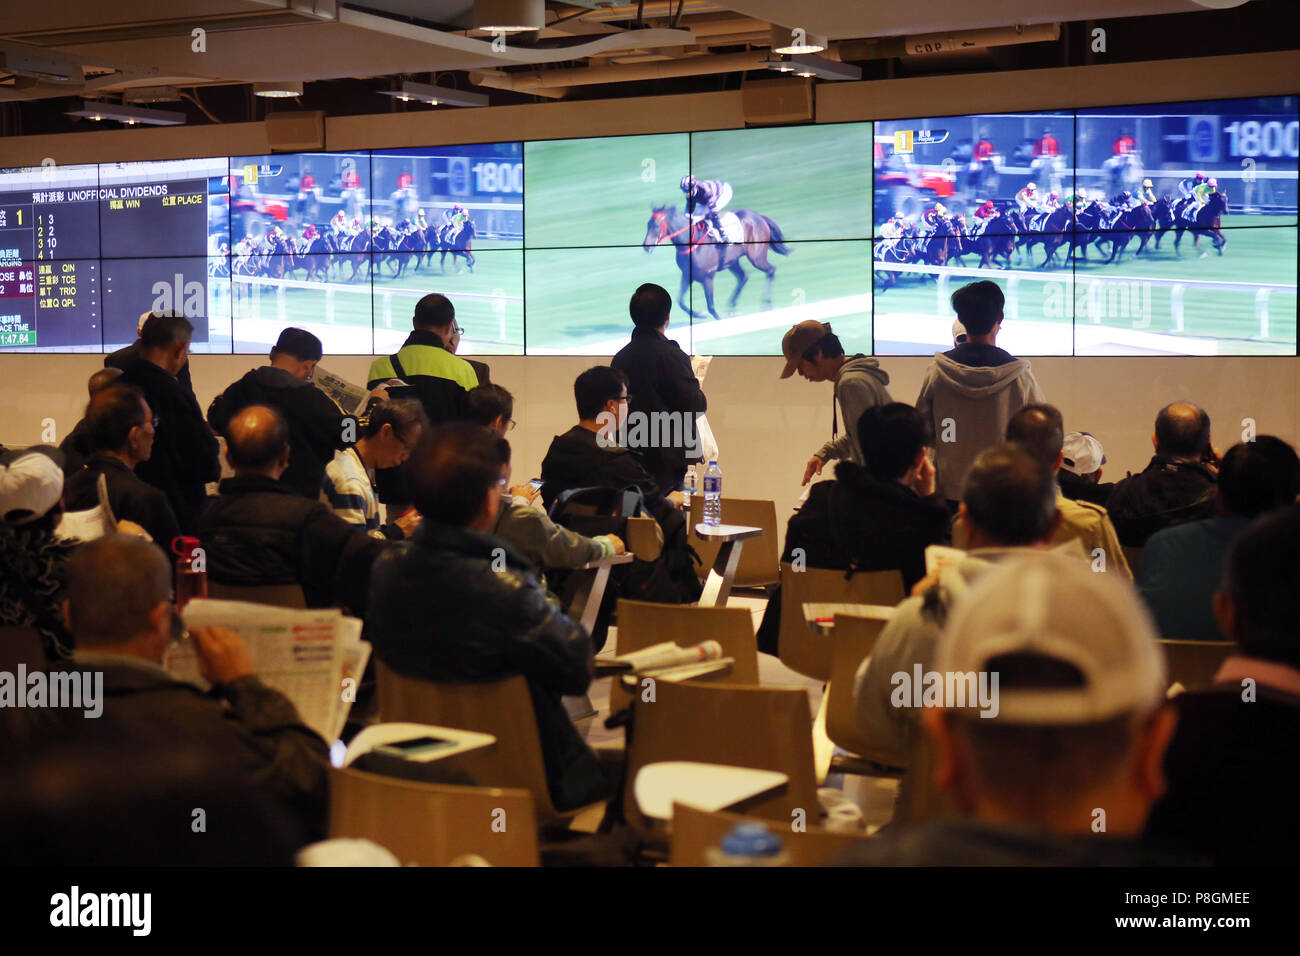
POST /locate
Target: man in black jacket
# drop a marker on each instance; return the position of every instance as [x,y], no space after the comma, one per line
[661,384]
[120,431]
[1231,771]
[1178,484]
[259,531]
[76,445]
[315,422]
[124,356]
[454,604]
[589,455]
[184,455]
[119,607]
[874,518]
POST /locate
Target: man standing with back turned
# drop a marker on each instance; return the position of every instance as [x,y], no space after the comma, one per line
[661,384]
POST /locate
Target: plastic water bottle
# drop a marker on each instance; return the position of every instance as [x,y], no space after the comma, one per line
[713,495]
[191,575]
[690,485]
[749,844]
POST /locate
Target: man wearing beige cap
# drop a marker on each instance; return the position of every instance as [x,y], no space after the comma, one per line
[814,351]
[1063,769]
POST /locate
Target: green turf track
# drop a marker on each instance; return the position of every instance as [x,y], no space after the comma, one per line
[498,265]
[601,192]
[1251,255]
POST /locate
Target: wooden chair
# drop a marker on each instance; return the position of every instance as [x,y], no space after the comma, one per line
[279,595]
[695,831]
[851,644]
[642,624]
[503,708]
[801,648]
[766,728]
[1194,663]
[760,560]
[431,824]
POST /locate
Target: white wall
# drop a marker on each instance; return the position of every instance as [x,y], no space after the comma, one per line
[766,428]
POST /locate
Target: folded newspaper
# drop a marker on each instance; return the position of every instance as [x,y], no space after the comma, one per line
[307,655]
[348,396]
[668,659]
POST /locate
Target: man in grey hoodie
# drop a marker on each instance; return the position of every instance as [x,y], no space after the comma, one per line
[971,391]
[815,352]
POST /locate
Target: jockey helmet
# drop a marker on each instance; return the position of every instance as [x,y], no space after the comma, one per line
[1213,182]
[1030,186]
[1054,196]
[1126,195]
[1200,175]
[1147,183]
[688,182]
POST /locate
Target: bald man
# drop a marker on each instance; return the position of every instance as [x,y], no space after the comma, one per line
[258,530]
[1178,485]
[76,447]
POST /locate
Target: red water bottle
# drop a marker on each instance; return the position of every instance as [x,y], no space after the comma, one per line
[191,571]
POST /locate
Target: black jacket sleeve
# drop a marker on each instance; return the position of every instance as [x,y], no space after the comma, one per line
[679,387]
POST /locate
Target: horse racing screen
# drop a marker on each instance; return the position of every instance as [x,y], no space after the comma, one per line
[1166,229]
[1137,230]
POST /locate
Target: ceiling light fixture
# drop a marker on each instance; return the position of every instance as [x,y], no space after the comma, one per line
[810,64]
[509,16]
[130,115]
[436,95]
[278,89]
[794,40]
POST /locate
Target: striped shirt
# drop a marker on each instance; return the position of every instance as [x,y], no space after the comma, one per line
[349,492]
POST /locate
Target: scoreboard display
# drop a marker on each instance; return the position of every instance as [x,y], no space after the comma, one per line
[70,235]
[49,251]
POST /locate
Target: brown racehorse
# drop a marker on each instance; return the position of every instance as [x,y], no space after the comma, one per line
[700,260]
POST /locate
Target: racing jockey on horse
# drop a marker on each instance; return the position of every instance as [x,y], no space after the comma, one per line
[339,223]
[1027,199]
[891,232]
[1146,193]
[713,195]
[983,214]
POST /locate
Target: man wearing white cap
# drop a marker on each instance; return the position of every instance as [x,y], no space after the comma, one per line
[1063,766]
[32,559]
[1080,474]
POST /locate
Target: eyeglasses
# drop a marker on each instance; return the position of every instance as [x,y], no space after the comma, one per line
[457,330]
[510,426]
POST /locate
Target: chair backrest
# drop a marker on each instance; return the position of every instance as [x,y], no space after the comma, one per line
[503,708]
[801,648]
[642,624]
[279,595]
[760,560]
[765,728]
[1194,663]
[696,831]
[851,644]
[431,824]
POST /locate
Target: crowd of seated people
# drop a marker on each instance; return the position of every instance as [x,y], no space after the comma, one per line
[453,578]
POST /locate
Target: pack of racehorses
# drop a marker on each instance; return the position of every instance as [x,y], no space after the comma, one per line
[1012,238]
[347,256]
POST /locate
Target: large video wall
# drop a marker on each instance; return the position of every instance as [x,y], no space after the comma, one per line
[1143,230]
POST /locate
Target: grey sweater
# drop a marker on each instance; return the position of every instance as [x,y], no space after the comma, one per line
[860,385]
